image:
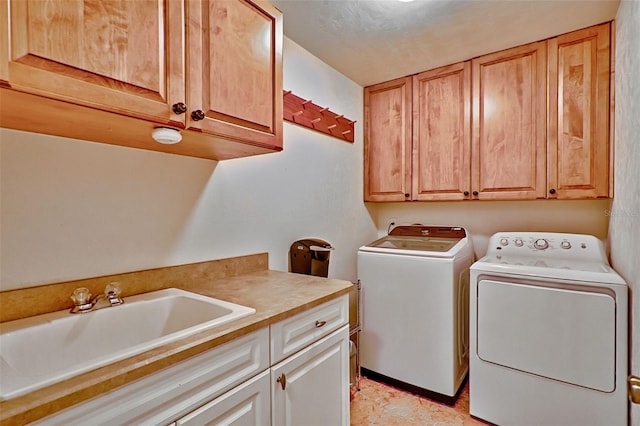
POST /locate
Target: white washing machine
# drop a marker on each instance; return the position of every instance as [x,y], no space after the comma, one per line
[414,300]
[548,332]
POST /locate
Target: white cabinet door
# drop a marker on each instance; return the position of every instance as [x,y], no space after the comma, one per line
[312,386]
[245,405]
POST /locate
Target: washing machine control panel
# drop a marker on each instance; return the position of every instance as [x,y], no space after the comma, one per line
[545,244]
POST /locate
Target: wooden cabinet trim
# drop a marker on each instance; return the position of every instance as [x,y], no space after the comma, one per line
[175,59]
[57,118]
[612,103]
[4,42]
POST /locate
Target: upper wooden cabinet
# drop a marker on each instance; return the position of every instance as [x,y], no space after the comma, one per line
[124,57]
[509,110]
[417,136]
[234,59]
[210,65]
[578,134]
[529,122]
[442,133]
[387,141]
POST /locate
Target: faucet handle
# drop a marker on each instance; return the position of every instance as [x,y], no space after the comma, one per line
[113,289]
[82,300]
[112,292]
[81,296]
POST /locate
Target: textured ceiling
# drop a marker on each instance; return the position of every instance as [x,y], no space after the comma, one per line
[371,41]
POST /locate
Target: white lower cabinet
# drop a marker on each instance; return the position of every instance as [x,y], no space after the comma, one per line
[233,384]
[311,387]
[171,393]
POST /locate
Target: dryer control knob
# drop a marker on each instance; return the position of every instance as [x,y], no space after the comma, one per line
[519,242]
[565,245]
[504,242]
[541,244]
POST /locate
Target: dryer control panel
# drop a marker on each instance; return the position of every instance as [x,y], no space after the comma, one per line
[547,245]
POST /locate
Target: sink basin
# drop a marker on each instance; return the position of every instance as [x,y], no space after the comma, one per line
[45,349]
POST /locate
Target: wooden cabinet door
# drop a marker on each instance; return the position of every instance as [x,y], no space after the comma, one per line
[509,125]
[387,141]
[442,133]
[579,75]
[119,56]
[312,386]
[234,58]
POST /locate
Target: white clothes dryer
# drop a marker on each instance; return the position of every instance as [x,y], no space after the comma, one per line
[548,332]
[414,300]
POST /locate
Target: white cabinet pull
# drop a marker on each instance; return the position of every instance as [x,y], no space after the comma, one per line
[320,324]
[282,380]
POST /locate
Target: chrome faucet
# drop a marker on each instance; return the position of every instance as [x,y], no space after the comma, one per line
[84,303]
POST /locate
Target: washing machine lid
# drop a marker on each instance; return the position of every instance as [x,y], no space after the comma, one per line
[420,240]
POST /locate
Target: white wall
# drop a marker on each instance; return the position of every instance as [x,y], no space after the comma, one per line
[72,209]
[484,218]
[624,230]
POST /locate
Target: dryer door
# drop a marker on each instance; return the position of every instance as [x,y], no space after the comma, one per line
[565,334]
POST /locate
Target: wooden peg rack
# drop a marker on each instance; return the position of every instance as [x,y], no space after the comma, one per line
[306,113]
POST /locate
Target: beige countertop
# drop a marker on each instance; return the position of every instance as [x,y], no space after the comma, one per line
[275,296]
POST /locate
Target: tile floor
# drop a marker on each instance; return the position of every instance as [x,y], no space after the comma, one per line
[377,404]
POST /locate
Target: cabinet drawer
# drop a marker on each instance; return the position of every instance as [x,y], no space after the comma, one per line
[174,391]
[291,335]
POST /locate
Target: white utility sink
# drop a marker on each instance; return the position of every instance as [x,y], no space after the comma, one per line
[44,349]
